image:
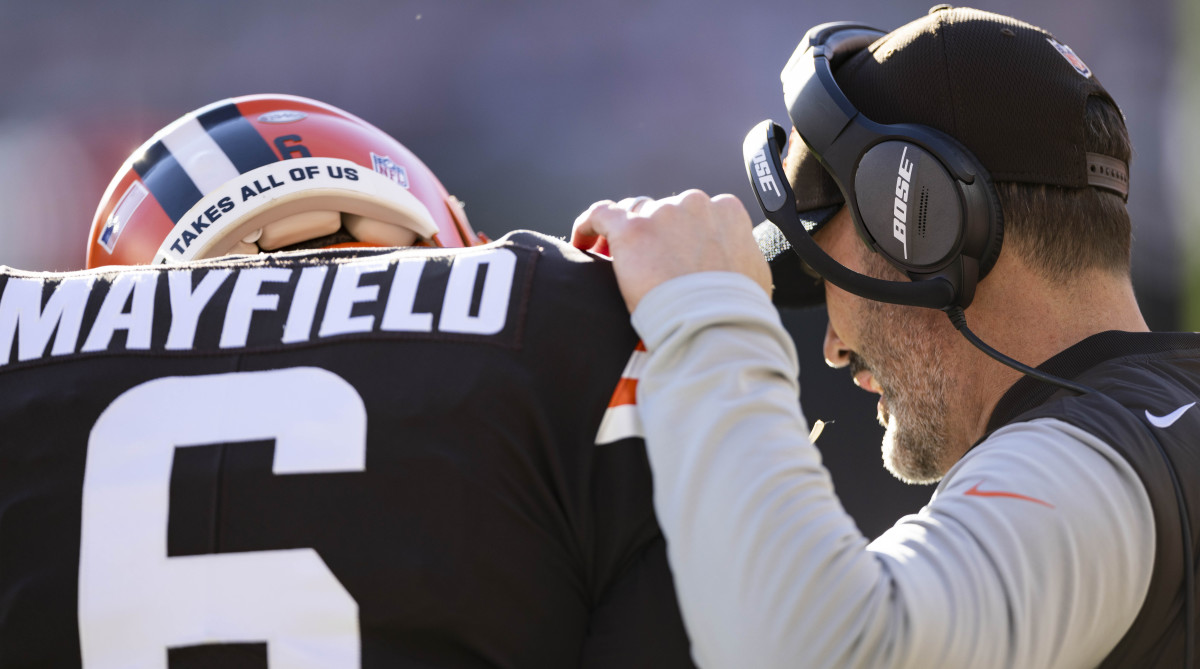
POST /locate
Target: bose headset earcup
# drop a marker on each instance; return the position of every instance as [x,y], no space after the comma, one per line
[991,237]
[764,167]
[916,195]
[924,218]
[908,204]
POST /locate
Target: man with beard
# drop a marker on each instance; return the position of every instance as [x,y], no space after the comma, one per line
[1059,534]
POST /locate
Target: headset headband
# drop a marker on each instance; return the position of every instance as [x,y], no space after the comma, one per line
[917,195]
[843,140]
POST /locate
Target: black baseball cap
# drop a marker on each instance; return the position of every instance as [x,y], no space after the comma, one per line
[1008,91]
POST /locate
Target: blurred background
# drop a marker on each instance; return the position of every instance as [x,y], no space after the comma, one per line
[530,111]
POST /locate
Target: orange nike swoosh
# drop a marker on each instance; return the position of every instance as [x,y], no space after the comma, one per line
[997,493]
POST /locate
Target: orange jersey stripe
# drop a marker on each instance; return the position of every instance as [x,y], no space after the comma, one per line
[620,420]
[626,393]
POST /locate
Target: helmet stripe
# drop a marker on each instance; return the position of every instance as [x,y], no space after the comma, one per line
[167,181]
[237,137]
[202,159]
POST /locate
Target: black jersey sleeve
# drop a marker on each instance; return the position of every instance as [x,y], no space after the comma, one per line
[635,620]
[636,623]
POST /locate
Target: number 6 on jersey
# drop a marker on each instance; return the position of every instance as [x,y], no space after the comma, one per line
[134,601]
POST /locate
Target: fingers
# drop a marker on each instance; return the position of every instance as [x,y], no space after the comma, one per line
[584,232]
[603,218]
[690,211]
[691,200]
[653,241]
[732,208]
[633,204]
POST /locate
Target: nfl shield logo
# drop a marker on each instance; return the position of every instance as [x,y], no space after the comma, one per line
[385,166]
[121,214]
[1075,61]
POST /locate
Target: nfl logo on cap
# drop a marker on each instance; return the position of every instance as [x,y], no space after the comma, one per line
[1075,61]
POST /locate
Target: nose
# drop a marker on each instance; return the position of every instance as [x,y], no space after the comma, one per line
[837,353]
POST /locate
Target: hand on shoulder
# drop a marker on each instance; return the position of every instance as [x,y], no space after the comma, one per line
[654,241]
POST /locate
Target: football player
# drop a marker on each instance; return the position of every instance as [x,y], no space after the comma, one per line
[223,448]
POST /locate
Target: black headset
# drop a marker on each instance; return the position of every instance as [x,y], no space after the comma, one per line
[917,196]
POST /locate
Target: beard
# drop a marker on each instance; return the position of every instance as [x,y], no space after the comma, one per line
[900,351]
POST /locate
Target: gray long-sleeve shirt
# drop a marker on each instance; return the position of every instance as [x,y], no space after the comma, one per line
[1035,550]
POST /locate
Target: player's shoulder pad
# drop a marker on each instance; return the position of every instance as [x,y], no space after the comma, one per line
[546,245]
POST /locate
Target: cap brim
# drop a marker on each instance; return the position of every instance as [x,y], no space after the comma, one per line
[796,285]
